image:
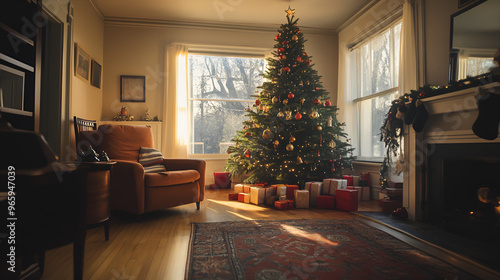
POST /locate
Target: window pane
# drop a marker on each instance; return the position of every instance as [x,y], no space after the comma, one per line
[221,77]
[214,123]
[371,116]
[364,71]
[381,62]
[478,65]
[397,47]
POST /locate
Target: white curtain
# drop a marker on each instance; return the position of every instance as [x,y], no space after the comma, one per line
[408,65]
[175,107]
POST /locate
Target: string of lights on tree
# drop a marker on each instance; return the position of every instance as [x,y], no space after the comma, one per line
[393,126]
[292,134]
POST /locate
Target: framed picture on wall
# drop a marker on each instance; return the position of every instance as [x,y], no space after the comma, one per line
[96,74]
[82,63]
[132,88]
[463,3]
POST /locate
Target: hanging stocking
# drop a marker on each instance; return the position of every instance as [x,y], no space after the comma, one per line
[410,112]
[421,117]
[488,119]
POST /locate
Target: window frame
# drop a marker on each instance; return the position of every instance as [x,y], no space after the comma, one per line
[239,52]
[357,97]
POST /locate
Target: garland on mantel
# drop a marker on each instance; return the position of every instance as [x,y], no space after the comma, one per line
[401,108]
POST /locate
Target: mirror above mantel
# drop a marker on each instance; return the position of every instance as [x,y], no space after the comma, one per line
[475,37]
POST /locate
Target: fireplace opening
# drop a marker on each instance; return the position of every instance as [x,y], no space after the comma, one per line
[463,190]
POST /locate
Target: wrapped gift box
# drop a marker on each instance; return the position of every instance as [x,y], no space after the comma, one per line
[290,203]
[365,193]
[233,196]
[282,197]
[242,188]
[301,198]
[244,197]
[271,199]
[352,180]
[264,185]
[258,194]
[222,180]
[213,186]
[331,185]
[389,205]
[326,201]
[347,199]
[282,204]
[314,189]
[359,189]
[280,189]
[290,191]
[366,177]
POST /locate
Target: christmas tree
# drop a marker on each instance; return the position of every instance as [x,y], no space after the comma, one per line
[292,134]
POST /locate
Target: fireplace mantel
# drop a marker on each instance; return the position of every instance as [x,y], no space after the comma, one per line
[450,121]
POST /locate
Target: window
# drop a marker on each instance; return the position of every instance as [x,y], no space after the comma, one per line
[220,90]
[375,67]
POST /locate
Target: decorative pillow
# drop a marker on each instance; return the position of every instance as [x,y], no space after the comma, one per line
[151,159]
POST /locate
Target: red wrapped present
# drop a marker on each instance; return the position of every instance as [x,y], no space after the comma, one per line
[282,204]
[349,179]
[291,203]
[365,176]
[244,197]
[233,196]
[326,201]
[264,185]
[290,191]
[347,199]
[222,180]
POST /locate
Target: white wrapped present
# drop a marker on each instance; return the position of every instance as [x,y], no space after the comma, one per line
[244,197]
[331,185]
[242,188]
[280,189]
[365,193]
[282,198]
[301,198]
[314,189]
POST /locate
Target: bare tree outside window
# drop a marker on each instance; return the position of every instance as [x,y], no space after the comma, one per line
[220,90]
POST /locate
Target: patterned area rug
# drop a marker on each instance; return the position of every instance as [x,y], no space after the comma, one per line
[307,249]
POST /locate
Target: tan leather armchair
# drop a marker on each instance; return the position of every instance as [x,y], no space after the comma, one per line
[134,191]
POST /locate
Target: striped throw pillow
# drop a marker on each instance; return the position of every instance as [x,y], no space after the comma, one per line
[152,160]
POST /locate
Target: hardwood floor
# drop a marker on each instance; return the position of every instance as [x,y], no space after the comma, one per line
[155,246]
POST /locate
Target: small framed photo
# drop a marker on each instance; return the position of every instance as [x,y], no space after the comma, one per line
[133,88]
[82,63]
[463,3]
[96,74]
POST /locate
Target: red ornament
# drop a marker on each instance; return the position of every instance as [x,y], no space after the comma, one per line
[248,134]
[281,50]
[286,70]
[299,59]
[316,101]
[421,95]
[304,54]
[291,95]
[328,103]
[257,102]
[308,62]
[247,153]
[284,42]
[277,37]
[298,116]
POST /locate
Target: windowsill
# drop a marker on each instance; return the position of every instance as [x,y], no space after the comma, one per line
[209,156]
[368,160]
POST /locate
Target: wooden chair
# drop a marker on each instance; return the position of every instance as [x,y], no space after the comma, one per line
[99,182]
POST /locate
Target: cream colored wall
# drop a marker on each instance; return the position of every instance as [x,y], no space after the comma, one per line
[133,50]
[437,39]
[86,100]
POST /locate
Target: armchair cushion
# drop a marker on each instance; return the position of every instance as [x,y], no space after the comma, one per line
[152,160]
[169,178]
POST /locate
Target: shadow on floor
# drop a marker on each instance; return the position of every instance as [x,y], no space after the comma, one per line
[482,252]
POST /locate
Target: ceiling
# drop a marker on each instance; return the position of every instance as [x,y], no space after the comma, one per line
[322,14]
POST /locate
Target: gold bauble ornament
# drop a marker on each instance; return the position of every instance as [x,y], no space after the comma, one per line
[276,143]
[295,37]
[285,101]
[289,147]
[332,144]
[292,139]
[275,100]
[314,115]
[320,128]
[267,134]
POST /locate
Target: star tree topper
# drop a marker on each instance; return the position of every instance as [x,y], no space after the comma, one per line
[290,11]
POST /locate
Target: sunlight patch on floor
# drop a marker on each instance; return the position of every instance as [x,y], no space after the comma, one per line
[311,236]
